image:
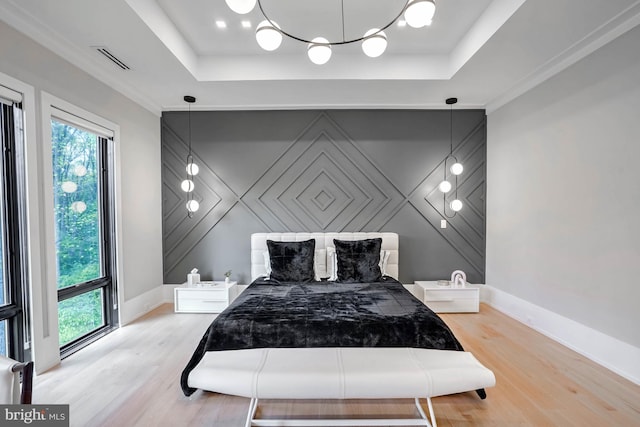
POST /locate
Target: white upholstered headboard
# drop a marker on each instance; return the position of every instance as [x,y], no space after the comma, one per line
[323,241]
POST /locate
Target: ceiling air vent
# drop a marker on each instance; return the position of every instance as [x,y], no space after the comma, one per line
[111,57]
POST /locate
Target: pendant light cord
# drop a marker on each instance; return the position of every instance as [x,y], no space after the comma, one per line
[451,129]
[189,130]
[451,141]
[343,37]
[189,161]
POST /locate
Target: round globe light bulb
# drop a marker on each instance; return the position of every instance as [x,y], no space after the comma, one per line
[192,169]
[456,205]
[69,187]
[456,168]
[445,186]
[419,13]
[79,206]
[267,36]
[375,43]
[193,205]
[79,170]
[241,6]
[319,53]
[187,186]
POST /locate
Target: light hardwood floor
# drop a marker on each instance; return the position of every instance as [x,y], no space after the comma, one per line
[130,378]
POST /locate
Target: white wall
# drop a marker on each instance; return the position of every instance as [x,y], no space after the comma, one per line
[140,248]
[563,227]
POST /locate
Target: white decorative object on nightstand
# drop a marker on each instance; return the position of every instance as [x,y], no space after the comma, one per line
[206,297]
[448,299]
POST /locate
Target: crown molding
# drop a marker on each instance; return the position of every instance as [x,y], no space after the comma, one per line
[46,36]
[607,32]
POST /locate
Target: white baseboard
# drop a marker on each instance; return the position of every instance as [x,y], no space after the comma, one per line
[142,304]
[167,293]
[613,354]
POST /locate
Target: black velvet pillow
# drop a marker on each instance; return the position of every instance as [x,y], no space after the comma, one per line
[292,261]
[358,260]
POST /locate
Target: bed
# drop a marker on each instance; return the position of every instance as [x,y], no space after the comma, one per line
[319,312]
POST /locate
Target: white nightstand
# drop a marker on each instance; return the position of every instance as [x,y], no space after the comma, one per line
[206,297]
[447,299]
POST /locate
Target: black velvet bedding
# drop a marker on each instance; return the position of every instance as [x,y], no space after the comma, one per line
[323,314]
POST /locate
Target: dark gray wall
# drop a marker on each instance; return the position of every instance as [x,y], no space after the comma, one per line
[339,170]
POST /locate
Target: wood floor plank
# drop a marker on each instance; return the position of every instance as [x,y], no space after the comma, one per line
[131,378]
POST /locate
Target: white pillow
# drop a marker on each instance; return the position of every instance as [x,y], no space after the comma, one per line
[384,259]
[319,264]
[332,262]
[267,263]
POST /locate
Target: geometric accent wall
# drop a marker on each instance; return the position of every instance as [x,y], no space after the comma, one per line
[323,182]
[466,231]
[351,170]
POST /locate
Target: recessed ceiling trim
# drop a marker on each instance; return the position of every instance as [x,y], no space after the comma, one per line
[161,25]
[609,31]
[296,67]
[256,68]
[498,12]
[321,106]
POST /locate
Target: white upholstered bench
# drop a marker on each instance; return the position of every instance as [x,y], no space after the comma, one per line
[340,373]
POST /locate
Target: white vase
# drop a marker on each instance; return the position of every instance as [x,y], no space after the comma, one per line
[227,280]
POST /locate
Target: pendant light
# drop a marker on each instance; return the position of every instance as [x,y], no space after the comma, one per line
[375,43]
[455,169]
[269,35]
[319,51]
[419,13]
[241,7]
[188,186]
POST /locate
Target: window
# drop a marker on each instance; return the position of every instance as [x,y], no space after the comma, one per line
[82,156]
[13,299]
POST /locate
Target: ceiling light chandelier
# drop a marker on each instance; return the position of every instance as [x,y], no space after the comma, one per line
[455,168]
[417,14]
[192,169]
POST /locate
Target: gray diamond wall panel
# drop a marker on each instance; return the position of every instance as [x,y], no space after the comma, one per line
[337,170]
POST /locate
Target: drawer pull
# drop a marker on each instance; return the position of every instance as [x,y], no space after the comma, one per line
[213,300]
[440,300]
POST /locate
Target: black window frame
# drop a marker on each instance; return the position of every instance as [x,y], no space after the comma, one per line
[15,310]
[107,282]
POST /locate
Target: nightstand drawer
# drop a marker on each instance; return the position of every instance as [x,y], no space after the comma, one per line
[454,306]
[208,294]
[449,294]
[200,305]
